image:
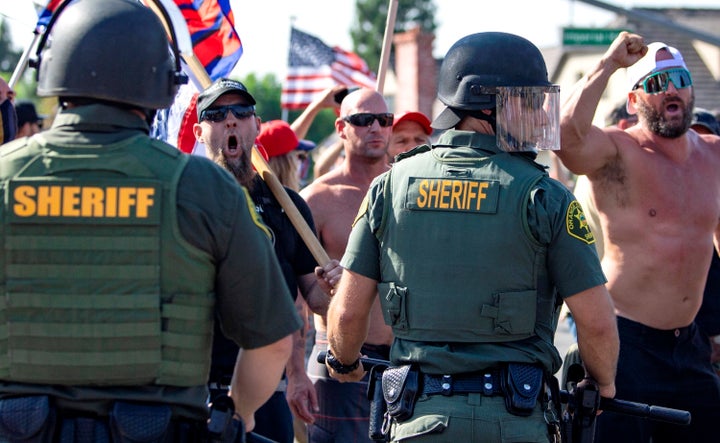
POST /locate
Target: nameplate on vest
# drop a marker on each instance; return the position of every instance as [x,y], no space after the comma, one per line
[35,201]
[451,194]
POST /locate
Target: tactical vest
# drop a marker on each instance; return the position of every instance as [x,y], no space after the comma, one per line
[99,287]
[458,261]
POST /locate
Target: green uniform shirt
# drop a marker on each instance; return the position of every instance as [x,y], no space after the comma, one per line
[572,265]
[214,215]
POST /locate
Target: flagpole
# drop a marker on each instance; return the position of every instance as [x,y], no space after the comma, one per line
[284,112]
[387,42]
[258,161]
[23,63]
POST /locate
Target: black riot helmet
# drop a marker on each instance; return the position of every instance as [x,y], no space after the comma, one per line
[110,50]
[506,73]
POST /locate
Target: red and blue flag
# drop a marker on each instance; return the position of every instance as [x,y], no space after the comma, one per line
[212,30]
[45,13]
[217,46]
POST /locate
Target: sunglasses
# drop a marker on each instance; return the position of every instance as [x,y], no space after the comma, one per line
[220,113]
[659,81]
[366,119]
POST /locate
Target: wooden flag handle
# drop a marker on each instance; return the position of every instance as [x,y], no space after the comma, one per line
[291,210]
[387,41]
[258,162]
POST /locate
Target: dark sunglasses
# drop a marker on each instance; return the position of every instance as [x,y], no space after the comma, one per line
[366,119]
[220,113]
[659,81]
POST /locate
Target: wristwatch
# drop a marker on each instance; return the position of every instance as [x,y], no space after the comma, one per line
[338,367]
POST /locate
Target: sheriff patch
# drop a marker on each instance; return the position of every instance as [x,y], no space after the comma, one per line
[451,194]
[71,202]
[576,224]
[361,211]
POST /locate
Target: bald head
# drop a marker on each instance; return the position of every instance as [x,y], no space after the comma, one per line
[364,137]
[363,100]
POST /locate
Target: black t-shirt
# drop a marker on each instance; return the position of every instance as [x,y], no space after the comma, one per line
[293,255]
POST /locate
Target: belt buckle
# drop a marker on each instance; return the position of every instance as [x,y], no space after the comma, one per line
[446,385]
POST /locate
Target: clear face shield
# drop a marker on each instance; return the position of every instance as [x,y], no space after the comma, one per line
[528,118]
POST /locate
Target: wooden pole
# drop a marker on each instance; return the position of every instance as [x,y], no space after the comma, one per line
[387,45]
[258,162]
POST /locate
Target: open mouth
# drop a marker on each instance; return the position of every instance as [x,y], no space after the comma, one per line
[232,144]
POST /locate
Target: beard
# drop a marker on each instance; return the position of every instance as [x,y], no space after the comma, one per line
[240,168]
[665,128]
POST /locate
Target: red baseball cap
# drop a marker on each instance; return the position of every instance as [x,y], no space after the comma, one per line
[417,117]
[278,138]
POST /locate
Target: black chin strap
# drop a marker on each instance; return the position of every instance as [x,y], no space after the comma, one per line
[490,118]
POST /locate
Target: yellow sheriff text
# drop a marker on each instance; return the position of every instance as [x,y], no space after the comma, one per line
[83,201]
[451,194]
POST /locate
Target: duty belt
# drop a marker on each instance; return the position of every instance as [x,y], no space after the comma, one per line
[487,382]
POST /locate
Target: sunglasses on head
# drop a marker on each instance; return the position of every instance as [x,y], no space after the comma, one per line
[659,81]
[220,113]
[367,119]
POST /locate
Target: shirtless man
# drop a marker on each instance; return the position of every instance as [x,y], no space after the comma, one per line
[364,126]
[657,190]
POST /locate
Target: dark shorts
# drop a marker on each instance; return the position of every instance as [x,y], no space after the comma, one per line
[668,368]
[274,419]
[344,407]
[465,418]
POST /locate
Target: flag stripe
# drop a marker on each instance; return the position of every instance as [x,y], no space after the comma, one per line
[314,66]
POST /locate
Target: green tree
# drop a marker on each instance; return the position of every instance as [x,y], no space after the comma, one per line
[368,29]
[9,57]
[266,91]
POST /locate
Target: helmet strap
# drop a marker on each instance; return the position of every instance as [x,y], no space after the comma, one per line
[490,118]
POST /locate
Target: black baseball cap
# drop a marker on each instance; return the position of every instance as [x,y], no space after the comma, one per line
[220,87]
[26,113]
[701,117]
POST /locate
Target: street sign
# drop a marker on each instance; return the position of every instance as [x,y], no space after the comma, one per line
[589,36]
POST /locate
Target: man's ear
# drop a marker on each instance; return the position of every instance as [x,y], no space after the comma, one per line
[631,100]
[197,130]
[339,126]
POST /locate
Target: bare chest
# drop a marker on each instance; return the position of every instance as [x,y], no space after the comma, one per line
[335,223]
[653,187]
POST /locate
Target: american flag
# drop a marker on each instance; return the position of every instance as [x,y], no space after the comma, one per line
[314,66]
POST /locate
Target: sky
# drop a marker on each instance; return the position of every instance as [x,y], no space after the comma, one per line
[264,26]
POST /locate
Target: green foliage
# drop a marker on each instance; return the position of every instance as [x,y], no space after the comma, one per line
[267,90]
[9,57]
[368,29]
[323,125]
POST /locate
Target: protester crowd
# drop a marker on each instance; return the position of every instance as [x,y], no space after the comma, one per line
[637,267]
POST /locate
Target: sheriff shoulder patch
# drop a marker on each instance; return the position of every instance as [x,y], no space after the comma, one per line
[363,209]
[576,224]
[252,210]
